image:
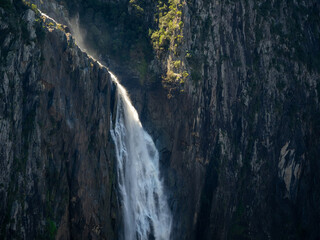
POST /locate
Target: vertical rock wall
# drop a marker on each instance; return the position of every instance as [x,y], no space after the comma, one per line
[239,147]
[57,163]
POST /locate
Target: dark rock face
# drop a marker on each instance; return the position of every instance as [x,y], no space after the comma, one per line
[239,148]
[115,32]
[255,112]
[57,164]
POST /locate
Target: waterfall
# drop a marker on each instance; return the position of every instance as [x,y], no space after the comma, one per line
[145,210]
[146,213]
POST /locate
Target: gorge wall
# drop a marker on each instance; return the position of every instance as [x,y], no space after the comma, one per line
[258,105]
[240,145]
[238,139]
[57,163]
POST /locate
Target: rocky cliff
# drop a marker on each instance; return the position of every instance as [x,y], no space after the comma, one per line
[240,146]
[57,165]
[238,137]
[257,102]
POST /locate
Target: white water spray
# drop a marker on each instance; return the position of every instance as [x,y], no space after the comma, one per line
[145,210]
[46,16]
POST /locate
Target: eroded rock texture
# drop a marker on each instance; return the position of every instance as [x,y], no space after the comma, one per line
[239,147]
[57,167]
[251,146]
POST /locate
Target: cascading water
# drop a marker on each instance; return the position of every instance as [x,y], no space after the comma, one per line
[145,209]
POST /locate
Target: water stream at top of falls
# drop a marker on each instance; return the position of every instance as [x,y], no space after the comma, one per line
[145,210]
[146,214]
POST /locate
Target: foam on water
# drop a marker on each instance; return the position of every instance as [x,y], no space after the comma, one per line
[145,209]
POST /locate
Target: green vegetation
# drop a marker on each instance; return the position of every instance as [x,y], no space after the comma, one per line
[51,229]
[167,40]
[136,6]
[34,8]
[170,27]
[177,64]
[40,32]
